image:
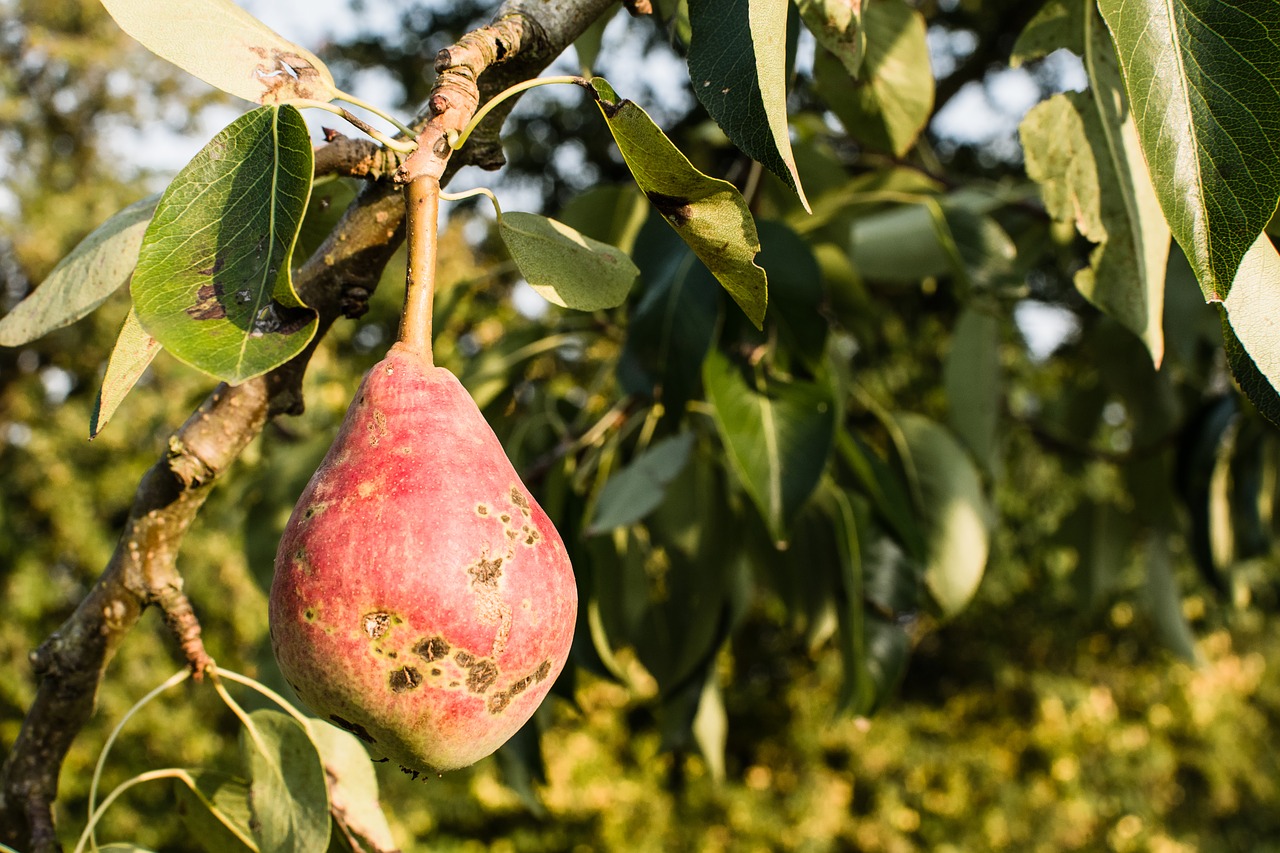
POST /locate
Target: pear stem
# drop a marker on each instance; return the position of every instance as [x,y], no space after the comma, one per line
[422,200]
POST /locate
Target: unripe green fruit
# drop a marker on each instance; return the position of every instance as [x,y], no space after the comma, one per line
[422,599]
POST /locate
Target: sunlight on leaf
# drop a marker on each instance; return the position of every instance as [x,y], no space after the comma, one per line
[708,214]
[215,809]
[1203,77]
[737,63]
[1253,322]
[133,352]
[225,47]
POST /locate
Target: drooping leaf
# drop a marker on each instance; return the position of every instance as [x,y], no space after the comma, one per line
[950,501]
[639,488]
[972,379]
[778,435]
[287,793]
[1083,150]
[567,268]
[97,267]
[225,47]
[708,214]
[737,63]
[133,352]
[837,25]
[215,810]
[887,493]
[213,283]
[1249,328]
[711,725]
[523,767]
[889,104]
[353,786]
[1203,78]
[672,325]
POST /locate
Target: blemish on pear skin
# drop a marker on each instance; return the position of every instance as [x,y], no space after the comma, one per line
[377,427]
[404,679]
[376,624]
[432,649]
[520,500]
[486,572]
[482,510]
[355,728]
[309,614]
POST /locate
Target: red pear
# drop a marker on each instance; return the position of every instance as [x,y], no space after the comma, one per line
[422,599]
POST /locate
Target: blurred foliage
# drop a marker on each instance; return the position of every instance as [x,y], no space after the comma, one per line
[1096,694]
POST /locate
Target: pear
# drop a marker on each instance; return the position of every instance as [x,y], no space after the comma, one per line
[422,599]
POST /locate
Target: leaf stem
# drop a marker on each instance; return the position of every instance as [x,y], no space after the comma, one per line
[472,194]
[151,775]
[239,712]
[422,203]
[177,678]
[365,105]
[401,145]
[456,142]
[265,691]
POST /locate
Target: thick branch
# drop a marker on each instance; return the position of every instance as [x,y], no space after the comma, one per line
[337,281]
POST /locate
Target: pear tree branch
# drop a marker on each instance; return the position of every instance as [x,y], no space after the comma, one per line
[337,281]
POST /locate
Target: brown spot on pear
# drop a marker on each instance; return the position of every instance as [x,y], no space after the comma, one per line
[417,547]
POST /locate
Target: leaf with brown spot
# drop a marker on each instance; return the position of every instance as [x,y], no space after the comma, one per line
[709,214]
[225,47]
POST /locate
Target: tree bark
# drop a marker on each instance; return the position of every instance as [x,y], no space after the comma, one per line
[337,281]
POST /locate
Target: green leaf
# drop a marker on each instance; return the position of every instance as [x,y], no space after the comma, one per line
[1249,327]
[225,47]
[778,435]
[837,25]
[931,237]
[639,488]
[1059,24]
[353,786]
[565,267]
[1164,601]
[950,501]
[672,325]
[287,792]
[737,63]
[122,847]
[711,725]
[213,284]
[708,214]
[97,267]
[520,760]
[972,379]
[134,350]
[215,809]
[1083,150]
[1203,78]
[890,103]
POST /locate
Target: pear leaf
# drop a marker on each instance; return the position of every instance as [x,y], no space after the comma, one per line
[737,63]
[134,350]
[1203,78]
[892,99]
[225,47]
[213,282]
[837,25]
[353,786]
[97,267]
[215,809]
[708,214]
[949,499]
[565,267]
[638,489]
[1253,340]
[287,793]
[1083,150]
[777,436]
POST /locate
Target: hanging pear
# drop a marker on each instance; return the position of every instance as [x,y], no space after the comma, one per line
[422,599]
